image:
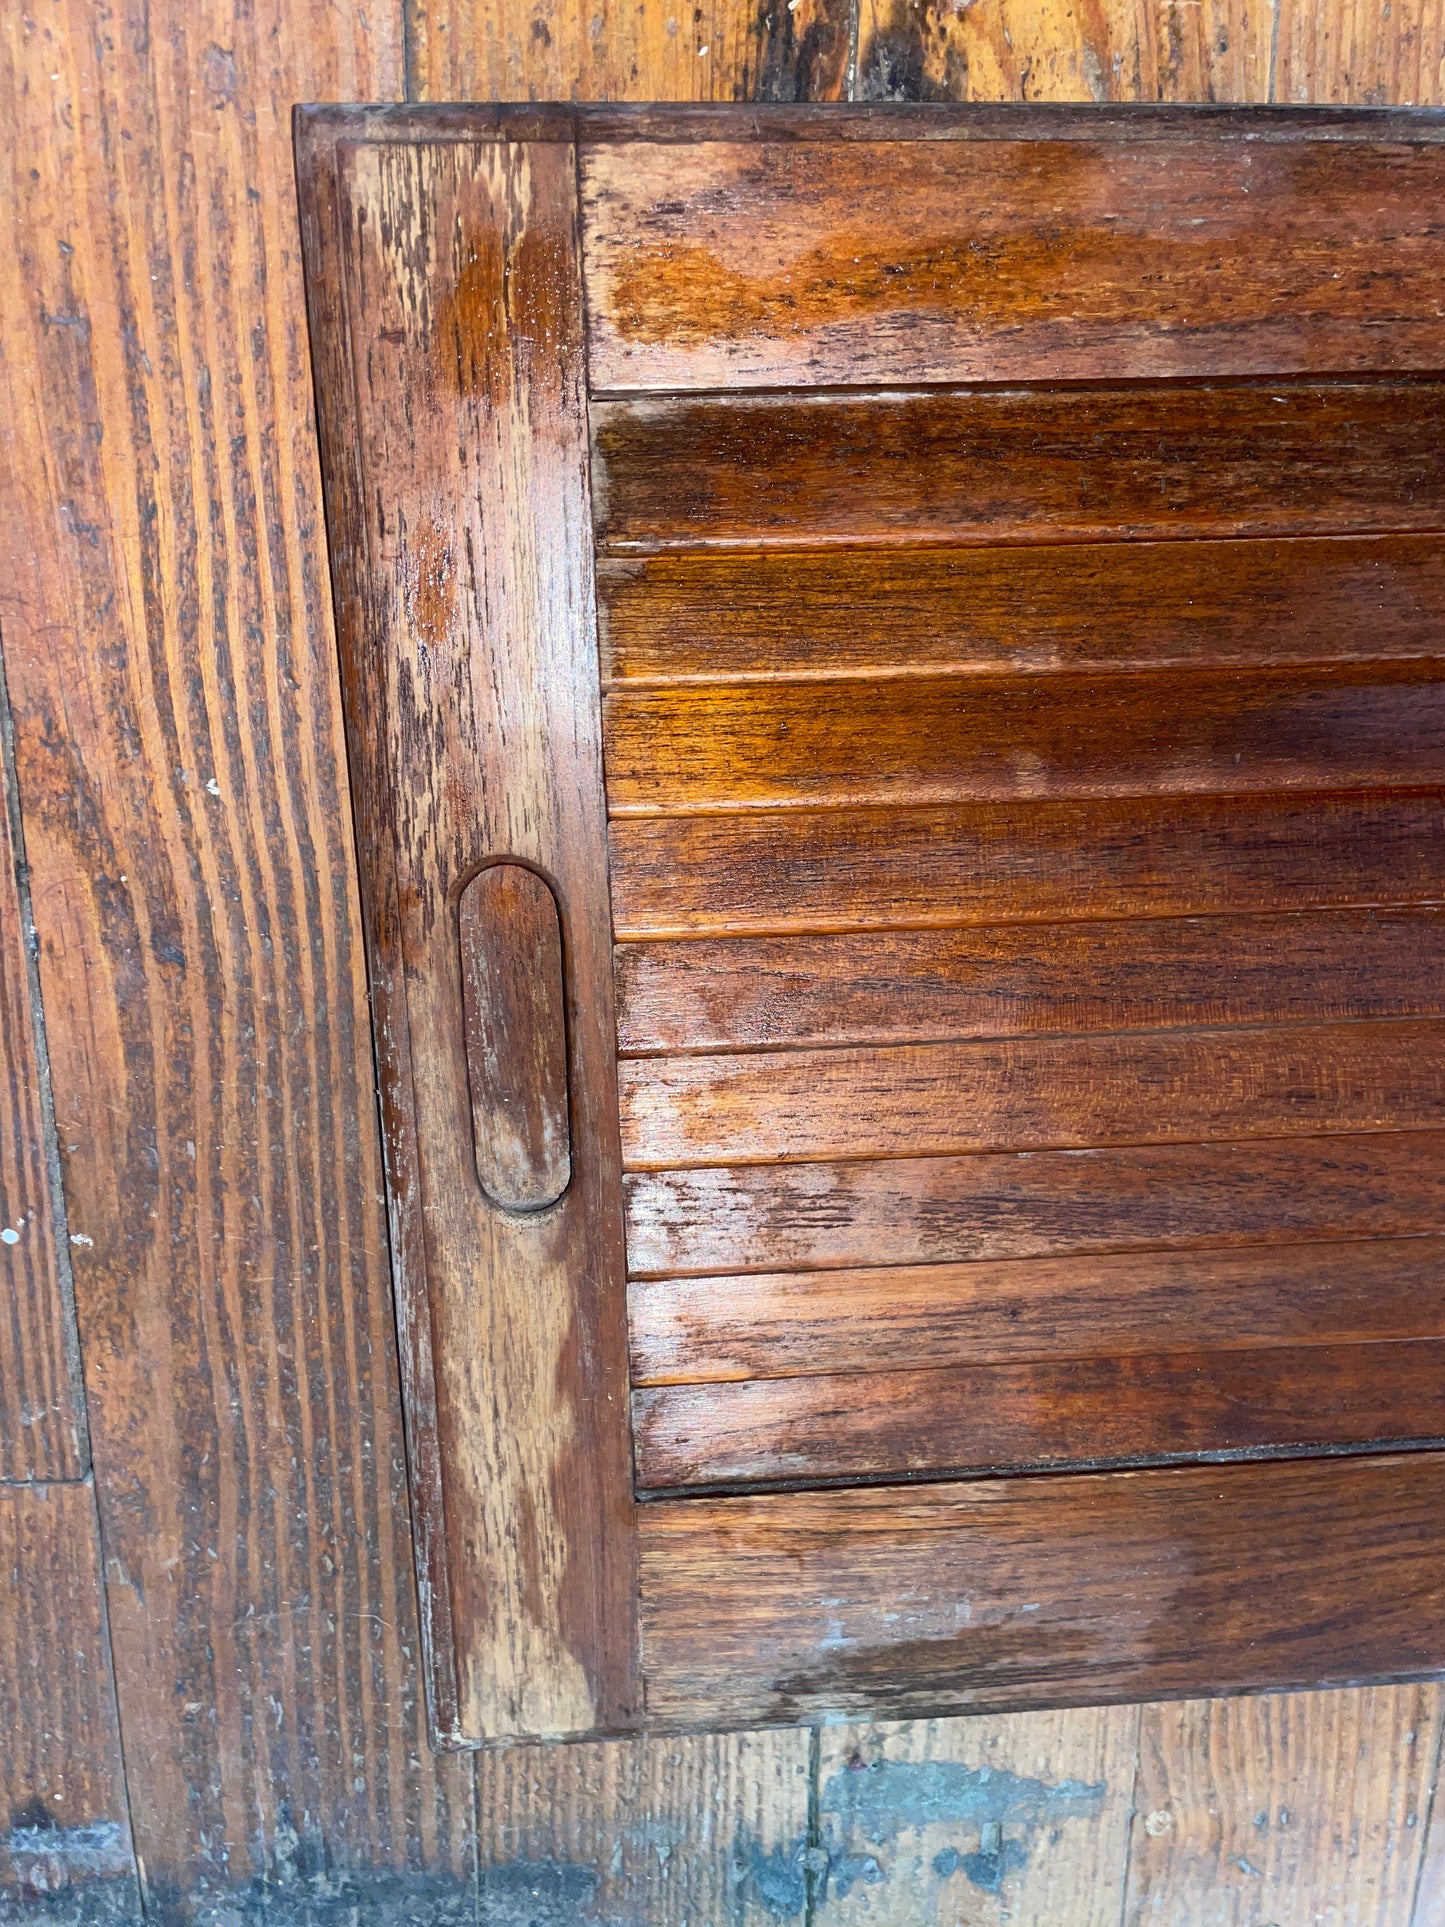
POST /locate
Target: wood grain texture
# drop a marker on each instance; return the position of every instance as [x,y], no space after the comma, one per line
[708,616]
[446,301]
[966,1419]
[41,1403]
[485,50]
[771,265]
[514,1012]
[904,986]
[1292,1809]
[179,752]
[651,1832]
[1360,51]
[1053,50]
[957,1210]
[1023,1819]
[1227,459]
[891,1318]
[911,741]
[66,1841]
[1032,1094]
[826,870]
[1001,1595]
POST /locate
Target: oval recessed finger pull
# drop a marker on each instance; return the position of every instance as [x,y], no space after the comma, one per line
[514,1010]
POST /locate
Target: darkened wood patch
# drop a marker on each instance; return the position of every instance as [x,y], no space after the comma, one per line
[446,303]
[770,264]
[1044,1591]
[65,1842]
[41,1403]
[823,870]
[903,986]
[893,1318]
[1288,458]
[769,614]
[967,1418]
[1037,1204]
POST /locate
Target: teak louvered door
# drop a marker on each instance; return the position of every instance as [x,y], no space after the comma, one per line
[895,662]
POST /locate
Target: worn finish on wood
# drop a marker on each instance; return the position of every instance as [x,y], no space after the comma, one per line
[1055,50]
[821,870]
[930,1100]
[707,616]
[903,986]
[1360,51]
[446,299]
[171,669]
[651,1832]
[41,1415]
[899,1317]
[967,1418]
[514,1010]
[64,1832]
[771,265]
[1289,458]
[951,1210]
[486,50]
[1044,1591]
[910,740]
[1293,1810]
[1022,1819]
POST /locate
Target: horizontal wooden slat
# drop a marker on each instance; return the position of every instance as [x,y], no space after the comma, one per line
[1044,1591]
[765,613]
[1038,862]
[1022,464]
[722,265]
[909,985]
[906,742]
[927,1100]
[905,1211]
[896,1318]
[1082,1411]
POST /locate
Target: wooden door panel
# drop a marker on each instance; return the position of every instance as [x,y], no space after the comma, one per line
[894,675]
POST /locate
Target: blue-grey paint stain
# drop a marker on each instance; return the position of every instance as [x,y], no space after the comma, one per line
[537,1893]
[101,1848]
[875,1801]
[776,1880]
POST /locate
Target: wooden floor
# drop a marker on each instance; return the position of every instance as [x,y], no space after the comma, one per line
[209,1698]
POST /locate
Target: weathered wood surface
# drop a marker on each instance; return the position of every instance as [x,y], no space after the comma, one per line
[894,1318]
[1306,1807]
[1145,1408]
[654,1833]
[1021,1819]
[774,265]
[484,50]
[941,867]
[1359,51]
[1287,458]
[1000,1595]
[171,667]
[446,307]
[65,1844]
[949,1210]
[42,1415]
[706,616]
